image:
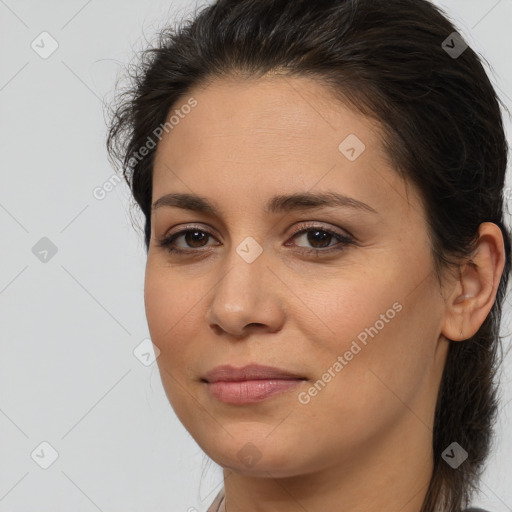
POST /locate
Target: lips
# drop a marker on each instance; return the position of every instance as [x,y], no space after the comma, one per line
[249,384]
[227,373]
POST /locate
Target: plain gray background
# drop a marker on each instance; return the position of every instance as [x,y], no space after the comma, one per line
[70,324]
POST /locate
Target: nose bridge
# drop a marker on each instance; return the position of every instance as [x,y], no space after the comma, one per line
[240,287]
[242,295]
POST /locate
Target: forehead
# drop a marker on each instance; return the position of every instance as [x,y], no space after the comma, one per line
[276,133]
[267,116]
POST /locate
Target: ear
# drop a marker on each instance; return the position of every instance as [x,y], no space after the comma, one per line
[473,294]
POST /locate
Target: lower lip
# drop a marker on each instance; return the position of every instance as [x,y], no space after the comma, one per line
[250,391]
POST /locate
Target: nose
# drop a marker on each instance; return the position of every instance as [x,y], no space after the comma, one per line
[246,298]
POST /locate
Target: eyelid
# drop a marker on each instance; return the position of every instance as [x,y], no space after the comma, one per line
[182,229]
[301,227]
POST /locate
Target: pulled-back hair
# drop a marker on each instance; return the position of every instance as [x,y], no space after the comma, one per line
[443,132]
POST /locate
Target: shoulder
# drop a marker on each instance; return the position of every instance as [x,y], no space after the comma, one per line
[473,509]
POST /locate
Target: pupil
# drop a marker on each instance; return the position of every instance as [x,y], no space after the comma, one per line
[192,234]
[320,238]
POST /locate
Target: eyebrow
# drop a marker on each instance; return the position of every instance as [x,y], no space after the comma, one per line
[277,204]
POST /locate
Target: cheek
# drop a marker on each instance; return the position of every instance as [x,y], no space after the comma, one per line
[351,308]
[171,311]
[375,383]
[378,340]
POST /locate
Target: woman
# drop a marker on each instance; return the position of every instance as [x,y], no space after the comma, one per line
[322,187]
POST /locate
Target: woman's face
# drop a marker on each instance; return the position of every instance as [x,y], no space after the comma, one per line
[341,294]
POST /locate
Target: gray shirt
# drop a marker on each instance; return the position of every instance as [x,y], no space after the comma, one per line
[217,502]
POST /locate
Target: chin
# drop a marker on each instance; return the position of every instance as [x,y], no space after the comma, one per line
[247,456]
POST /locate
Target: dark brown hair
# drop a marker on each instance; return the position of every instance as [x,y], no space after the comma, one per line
[394,61]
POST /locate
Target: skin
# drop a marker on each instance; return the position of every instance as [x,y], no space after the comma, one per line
[364,442]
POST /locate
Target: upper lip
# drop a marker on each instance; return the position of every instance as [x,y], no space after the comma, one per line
[249,372]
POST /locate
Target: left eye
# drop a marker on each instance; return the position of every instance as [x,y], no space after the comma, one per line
[318,237]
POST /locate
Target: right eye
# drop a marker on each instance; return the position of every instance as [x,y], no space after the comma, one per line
[191,236]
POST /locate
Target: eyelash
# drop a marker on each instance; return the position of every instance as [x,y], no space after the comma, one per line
[344,240]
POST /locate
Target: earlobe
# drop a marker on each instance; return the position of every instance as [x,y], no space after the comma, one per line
[474,293]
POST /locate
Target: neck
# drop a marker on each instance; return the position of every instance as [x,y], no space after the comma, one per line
[391,473]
